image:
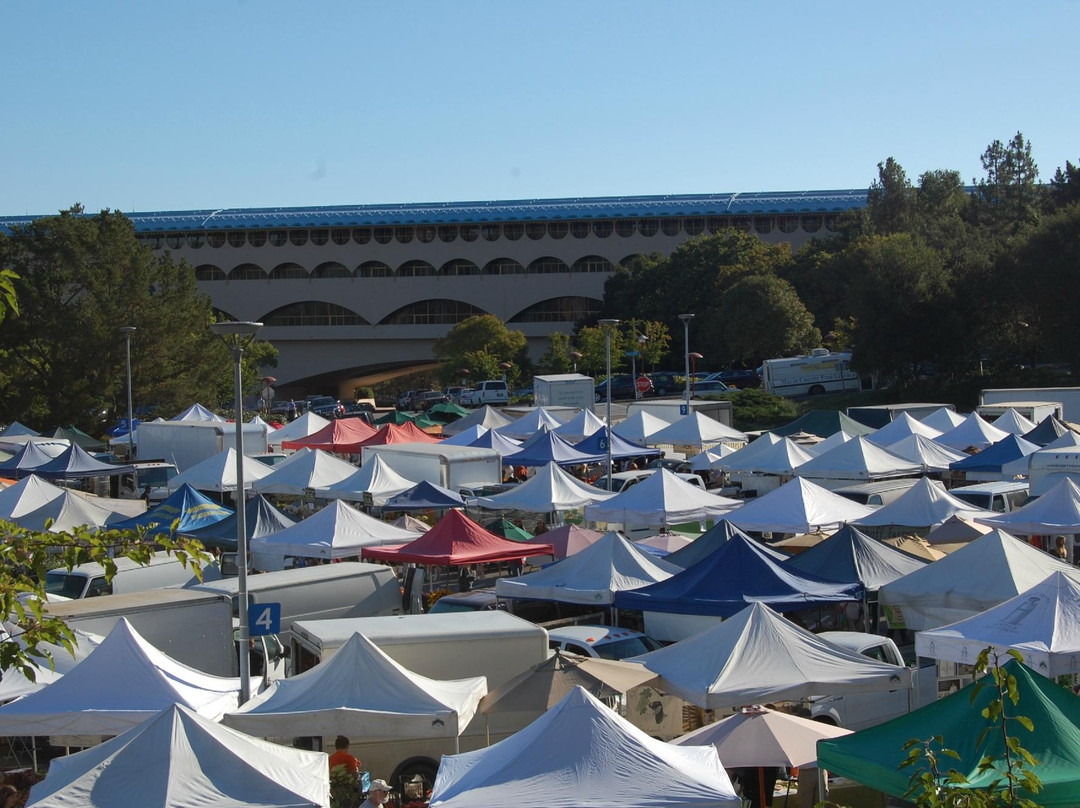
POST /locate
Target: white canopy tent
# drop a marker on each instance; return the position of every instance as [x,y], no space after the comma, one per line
[529,424]
[736,459]
[26,496]
[550,489]
[699,431]
[317,469]
[1056,511]
[581,753]
[218,473]
[1042,623]
[196,412]
[925,505]
[660,499]
[858,459]
[337,531]
[757,655]
[177,759]
[307,424]
[900,427]
[466,436]
[486,416]
[375,479]
[68,512]
[817,448]
[709,460]
[929,454]
[1013,422]
[943,419]
[362,692]
[591,576]
[780,458]
[15,683]
[987,571]
[638,427]
[580,426]
[975,432]
[799,506]
[122,683]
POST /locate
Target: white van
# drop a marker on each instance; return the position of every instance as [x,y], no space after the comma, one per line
[1001,497]
[878,493]
[88,580]
[346,589]
[491,391]
[601,642]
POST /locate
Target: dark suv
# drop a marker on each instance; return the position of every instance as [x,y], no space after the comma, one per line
[666,383]
[326,406]
[622,386]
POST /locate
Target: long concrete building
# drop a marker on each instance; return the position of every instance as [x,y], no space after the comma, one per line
[351,292]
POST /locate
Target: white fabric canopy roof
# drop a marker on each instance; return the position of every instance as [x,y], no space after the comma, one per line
[592,576]
[1042,623]
[580,753]
[943,419]
[982,574]
[835,439]
[782,457]
[1013,422]
[638,427]
[15,683]
[362,692]
[798,506]
[196,412]
[696,429]
[307,424]
[710,458]
[734,461]
[580,426]
[375,477]
[857,459]
[337,531]
[975,431]
[317,469]
[1056,511]
[218,473]
[486,416]
[900,427]
[26,496]
[466,436]
[757,655]
[660,499]
[529,424]
[68,512]
[122,683]
[550,489]
[929,454]
[177,759]
[925,504]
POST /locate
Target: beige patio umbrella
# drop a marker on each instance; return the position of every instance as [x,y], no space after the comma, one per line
[915,546]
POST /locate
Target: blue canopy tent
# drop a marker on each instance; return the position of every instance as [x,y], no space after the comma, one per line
[15,429]
[741,572]
[424,496]
[261,519]
[620,447]
[1049,429]
[850,556]
[25,462]
[991,459]
[186,504]
[549,448]
[709,542]
[121,427]
[77,462]
[500,443]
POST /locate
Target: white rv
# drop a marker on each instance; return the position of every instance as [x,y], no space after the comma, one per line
[820,372]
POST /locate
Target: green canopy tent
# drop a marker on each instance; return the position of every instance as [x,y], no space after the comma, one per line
[508,530]
[420,419]
[77,436]
[448,411]
[824,423]
[872,755]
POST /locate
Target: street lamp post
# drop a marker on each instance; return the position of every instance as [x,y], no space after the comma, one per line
[128,330]
[686,318]
[642,339]
[575,355]
[238,336]
[608,325]
[694,357]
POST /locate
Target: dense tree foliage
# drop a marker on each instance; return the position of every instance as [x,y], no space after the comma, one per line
[479,344]
[79,280]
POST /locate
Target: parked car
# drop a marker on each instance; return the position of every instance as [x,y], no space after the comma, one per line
[463,393]
[428,399]
[741,379]
[666,383]
[404,399]
[490,391]
[602,642]
[326,406]
[713,388]
[622,387]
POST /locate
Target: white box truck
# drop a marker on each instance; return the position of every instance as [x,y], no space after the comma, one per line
[452,467]
[820,372]
[454,645]
[565,390]
[185,443]
[1068,397]
[1032,410]
[88,580]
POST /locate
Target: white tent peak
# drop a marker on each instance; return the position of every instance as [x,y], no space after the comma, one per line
[858,459]
[662,498]
[943,419]
[798,506]
[928,453]
[197,412]
[925,504]
[218,473]
[1013,422]
[549,489]
[900,427]
[975,431]
[313,469]
[375,477]
[696,429]
[581,426]
[638,427]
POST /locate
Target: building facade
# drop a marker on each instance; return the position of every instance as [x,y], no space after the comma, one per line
[348,294]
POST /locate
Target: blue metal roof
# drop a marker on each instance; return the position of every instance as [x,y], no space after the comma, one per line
[436,213]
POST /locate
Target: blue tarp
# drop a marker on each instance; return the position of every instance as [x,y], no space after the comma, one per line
[738,574]
[186,504]
[993,457]
[424,496]
[548,448]
[620,447]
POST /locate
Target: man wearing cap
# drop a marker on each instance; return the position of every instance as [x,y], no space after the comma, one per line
[378,794]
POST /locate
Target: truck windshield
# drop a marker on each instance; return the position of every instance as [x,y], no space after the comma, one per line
[155,476]
[623,649]
[61,582]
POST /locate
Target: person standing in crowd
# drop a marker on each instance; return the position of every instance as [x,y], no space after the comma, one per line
[341,756]
[378,794]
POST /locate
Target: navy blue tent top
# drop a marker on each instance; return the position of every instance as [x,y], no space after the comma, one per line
[261,519]
[1048,430]
[620,447]
[549,447]
[851,556]
[26,461]
[739,573]
[424,496]
[993,457]
[709,542]
[194,510]
[77,462]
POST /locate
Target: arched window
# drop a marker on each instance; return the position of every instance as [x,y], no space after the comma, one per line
[153,241]
[416,269]
[320,236]
[694,226]
[592,263]
[535,230]
[374,269]
[469,232]
[632,259]
[432,312]
[425,234]
[579,229]
[548,265]
[278,238]
[209,272]
[788,224]
[763,224]
[298,238]
[288,272]
[404,234]
[513,230]
[383,235]
[236,238]
[459,266]
[625,227]
[648,227]
[558,229]
[503,266]
[331,269]
[247,272]
[257,238]
[490,232]
[447,232]
[216,238]
[196,240]
[313,313]
[361,235]
[811,223]
[602,228]
[671,226]
[340,235]
[559,310]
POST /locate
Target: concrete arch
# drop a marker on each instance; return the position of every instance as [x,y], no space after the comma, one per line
[570,308]
[312,313]
[434,311]
[210,272]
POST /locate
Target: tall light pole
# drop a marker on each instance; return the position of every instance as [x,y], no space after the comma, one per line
[686,318]
[608,325]
[694,357]
[127,331]
[641,340]
[575,356]
[238,336]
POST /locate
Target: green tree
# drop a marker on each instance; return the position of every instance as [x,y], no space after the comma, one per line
[762,317]
[9,301]
[890,203]
[80,279]
[1065,186]
[1008,198]
[556,358]
[475,342]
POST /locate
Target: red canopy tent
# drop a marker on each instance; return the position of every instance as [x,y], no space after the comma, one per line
[403,433]
[457,540]
[344,436]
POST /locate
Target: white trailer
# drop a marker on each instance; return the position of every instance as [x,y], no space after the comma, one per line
[565,390]
[1048,467]
[1068,397]
[453,645]
[185,443]
[452,467]
[820,372]
[1036,411]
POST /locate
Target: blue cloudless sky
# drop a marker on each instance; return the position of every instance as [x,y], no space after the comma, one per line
[225,103]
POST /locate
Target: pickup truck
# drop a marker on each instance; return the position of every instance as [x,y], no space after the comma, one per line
[857,711]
